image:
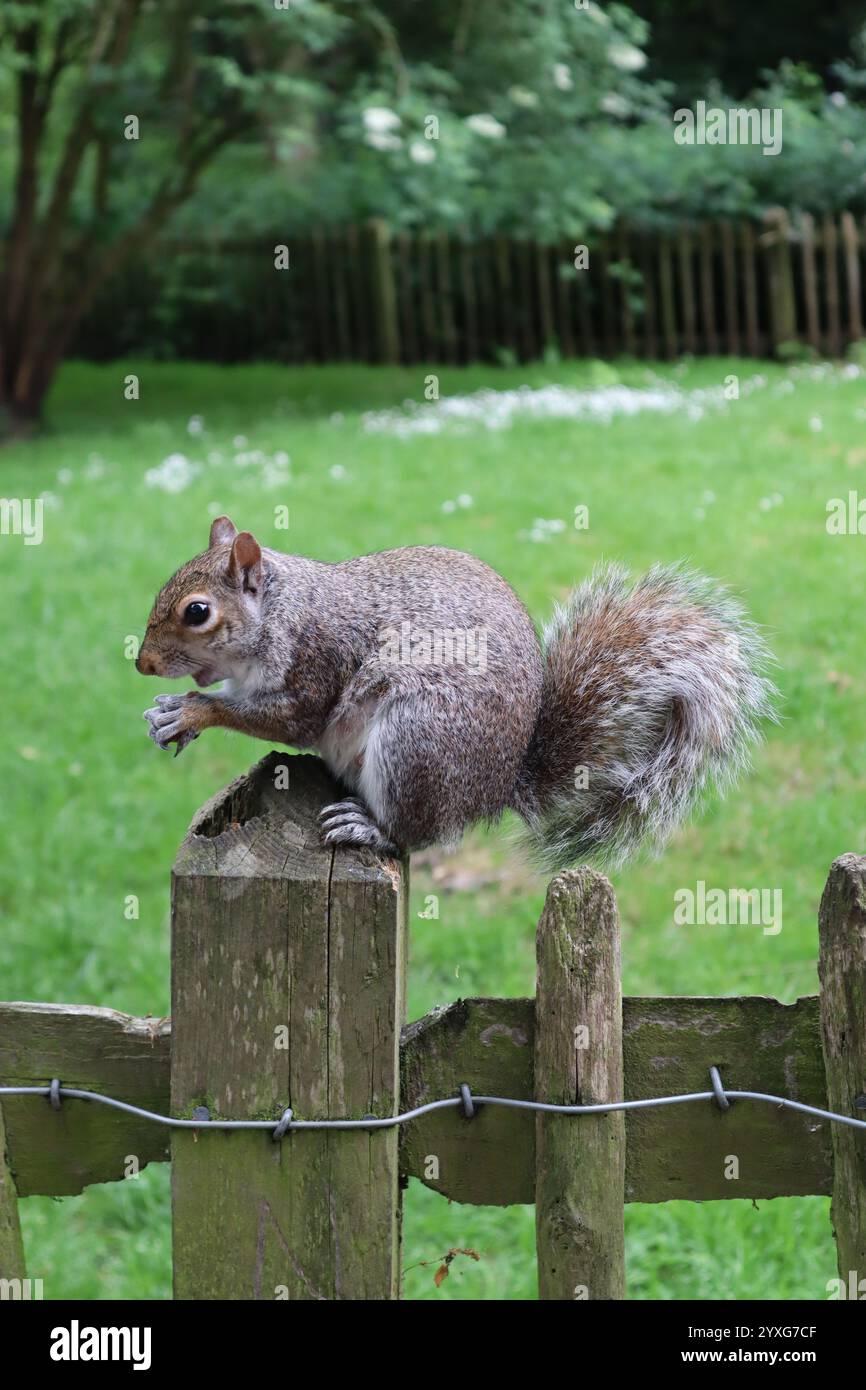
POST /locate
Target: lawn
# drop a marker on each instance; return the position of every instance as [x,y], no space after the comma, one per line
[92,812]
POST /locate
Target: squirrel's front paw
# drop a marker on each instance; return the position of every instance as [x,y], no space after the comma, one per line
[172,720]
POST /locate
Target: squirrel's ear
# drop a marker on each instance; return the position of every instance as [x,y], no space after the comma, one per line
[222,531]
[245,562]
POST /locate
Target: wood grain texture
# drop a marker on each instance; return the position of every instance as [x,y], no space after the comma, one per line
[580,1161]
[669,1044]
[287,990]
[88,1049]
[11,1246]
[842,968]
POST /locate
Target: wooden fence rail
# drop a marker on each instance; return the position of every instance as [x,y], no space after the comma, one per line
[369,294]
[289,989]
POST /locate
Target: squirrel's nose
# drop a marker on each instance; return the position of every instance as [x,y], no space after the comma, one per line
[146,664]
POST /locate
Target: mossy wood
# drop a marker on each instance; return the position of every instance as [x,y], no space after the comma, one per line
[11,1248]
[87,1049]
[842,966]
[579,1162]
[668,1047]
[287,990]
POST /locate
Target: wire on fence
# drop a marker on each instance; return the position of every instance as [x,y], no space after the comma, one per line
[465,1101]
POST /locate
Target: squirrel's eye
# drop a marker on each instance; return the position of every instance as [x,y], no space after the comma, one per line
[195,614]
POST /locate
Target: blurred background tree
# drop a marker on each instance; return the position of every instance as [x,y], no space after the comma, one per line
[259,118]
[118,107]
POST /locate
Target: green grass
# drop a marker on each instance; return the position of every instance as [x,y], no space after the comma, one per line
[92,812]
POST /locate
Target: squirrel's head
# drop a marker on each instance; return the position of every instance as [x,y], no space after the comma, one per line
[206,618]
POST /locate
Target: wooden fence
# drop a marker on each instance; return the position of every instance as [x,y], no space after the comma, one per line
[288,988]
[367,294]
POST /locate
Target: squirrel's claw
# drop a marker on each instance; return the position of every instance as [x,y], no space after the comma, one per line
[350,823]
[166,724]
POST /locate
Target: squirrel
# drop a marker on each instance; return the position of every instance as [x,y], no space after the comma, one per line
[418,676]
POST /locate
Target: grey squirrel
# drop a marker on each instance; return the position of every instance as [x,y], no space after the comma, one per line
[418,676]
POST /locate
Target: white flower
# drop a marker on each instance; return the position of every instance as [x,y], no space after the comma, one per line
[422,152]
[498,410]
[522,96]
[381,140]
[562,78]
[64,477]
[239,441]
[379,119]
[816,424]
[486,125]
[273,477]
[838,98]
[614,104]
[626,57]
[543,529]
[195,425]
[464,500]
[173,475]
[448,506]
[337,471]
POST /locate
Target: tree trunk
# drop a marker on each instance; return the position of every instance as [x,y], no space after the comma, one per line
[20,415]
[24,383]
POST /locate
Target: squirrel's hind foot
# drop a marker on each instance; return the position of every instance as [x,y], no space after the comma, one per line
[350,823]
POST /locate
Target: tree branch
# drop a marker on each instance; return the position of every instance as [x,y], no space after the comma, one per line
[58,330]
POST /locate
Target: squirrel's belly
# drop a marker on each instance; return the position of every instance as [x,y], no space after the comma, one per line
[343,744]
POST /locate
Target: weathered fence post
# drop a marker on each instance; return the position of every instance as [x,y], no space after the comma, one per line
[383,289]
[783,304]
[287,990]
[842,970]
[580,1160]
[11,1248]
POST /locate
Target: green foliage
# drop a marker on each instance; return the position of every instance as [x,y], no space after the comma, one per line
[549,127]
[511,117]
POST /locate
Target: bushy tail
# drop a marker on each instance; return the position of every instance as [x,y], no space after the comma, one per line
[653,691]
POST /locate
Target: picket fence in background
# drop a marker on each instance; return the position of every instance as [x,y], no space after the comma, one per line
[371,294]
